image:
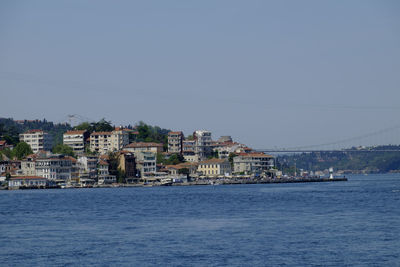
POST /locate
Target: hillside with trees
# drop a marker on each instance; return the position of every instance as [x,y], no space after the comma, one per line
[367,160]
[10,129]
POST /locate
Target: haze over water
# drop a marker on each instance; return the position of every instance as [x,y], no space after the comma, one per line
[354,223]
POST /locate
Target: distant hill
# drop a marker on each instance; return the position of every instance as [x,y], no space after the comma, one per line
[10,129]
[367,160]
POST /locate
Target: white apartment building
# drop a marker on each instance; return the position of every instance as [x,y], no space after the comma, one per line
[104,176]
[203,142]
[75,140]
[252,163]
[119,139]
[54,167]
[175,142]
[146,163]
[104,142]
[87,166]
[37,139]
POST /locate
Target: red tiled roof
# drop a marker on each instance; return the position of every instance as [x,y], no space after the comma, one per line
[143,144]
[71,158]
[213,161]
[102,162]
[101,133]
[178,132]
[255,154]
[2,142]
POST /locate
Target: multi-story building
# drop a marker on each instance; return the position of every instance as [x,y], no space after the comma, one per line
[203,142]
[87,166]
[252,163]
[27,182]
[215,167]
[175,142]
[146,163]
[104,142]
[119,139]
[76,140]
[28,165]
[54,167]
[37,139]
[100,142]
[104,176]
[144,147]
[127,164]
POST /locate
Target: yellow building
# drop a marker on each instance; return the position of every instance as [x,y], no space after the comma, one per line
[215,167]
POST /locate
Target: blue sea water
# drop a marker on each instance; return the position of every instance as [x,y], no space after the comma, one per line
[354,223]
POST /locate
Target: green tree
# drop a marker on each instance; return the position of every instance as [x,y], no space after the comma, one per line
[230,158]
[21,150]
[84,126]
[63,149]
[102,126]
[184,171]
[121,176]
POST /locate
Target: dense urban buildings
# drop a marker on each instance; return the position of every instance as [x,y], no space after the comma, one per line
[119,155]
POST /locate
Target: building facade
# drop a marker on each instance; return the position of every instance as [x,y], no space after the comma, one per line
[146,163]
[54,167]
[76,140]
[252,163]
[38,140]
[175,142]
[104,142]
[144,147]
[27,182]
[202,147]
[215,167]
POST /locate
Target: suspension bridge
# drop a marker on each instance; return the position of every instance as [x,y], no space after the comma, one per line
[384,140]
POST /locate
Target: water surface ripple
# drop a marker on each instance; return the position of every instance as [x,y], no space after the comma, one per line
[354,223]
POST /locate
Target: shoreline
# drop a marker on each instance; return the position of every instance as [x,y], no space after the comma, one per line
[207,181]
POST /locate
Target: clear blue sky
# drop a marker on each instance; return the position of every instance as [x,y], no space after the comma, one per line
[269,73]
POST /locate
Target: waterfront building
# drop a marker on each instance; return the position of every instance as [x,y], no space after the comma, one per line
[146,163]
[252,163]
[28,165]
[127,164]
[174,169]
[215,167]
[76,140]
[54,167]
[175,142]
[37,139]
[5,166]
[87,166]
[27,182]
[104,176]
[202,146]
[144,147]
